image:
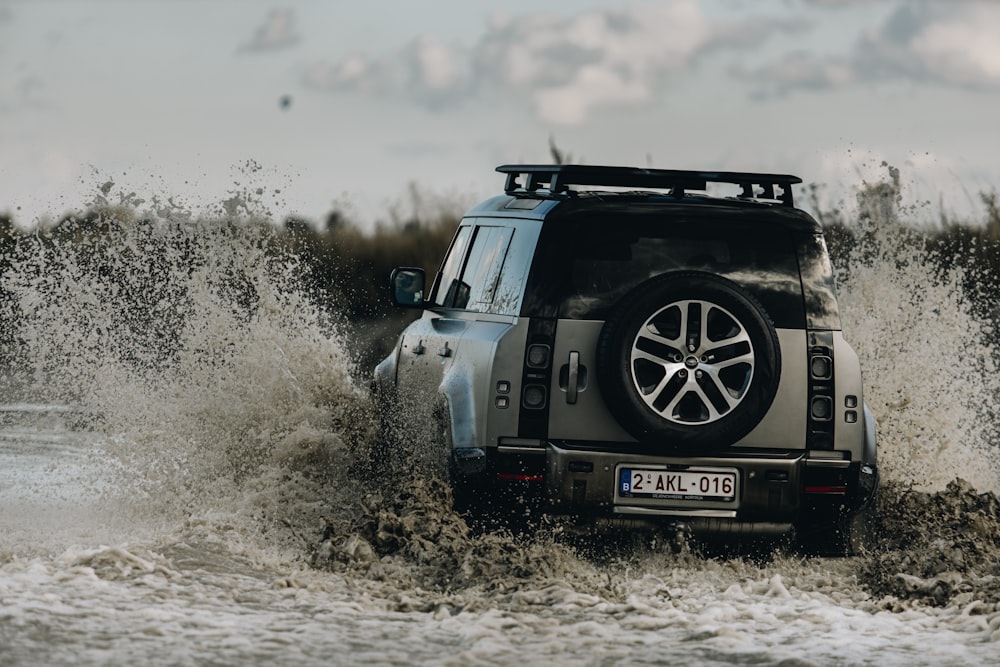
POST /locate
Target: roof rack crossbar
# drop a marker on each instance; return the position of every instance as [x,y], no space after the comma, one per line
[559,177]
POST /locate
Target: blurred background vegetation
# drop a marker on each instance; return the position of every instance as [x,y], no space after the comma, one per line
[345,269]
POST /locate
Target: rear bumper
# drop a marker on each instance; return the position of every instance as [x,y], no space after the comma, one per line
[774,489]
[586,482]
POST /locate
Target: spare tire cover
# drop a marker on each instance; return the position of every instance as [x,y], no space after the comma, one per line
[688,360]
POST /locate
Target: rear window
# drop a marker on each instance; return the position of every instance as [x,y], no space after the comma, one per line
[606,259]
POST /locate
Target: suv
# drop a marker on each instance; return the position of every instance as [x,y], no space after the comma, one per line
[619,345]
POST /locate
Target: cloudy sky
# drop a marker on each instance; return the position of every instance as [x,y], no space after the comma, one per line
[309,105]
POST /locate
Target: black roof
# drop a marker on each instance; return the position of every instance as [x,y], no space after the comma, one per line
[556,179]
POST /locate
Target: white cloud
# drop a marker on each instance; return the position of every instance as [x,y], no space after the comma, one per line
[436,66]
[962,46]
[593,87]
[953,44]
[613,58]
[565,68]
[351,73]
[427,70]
[278,32]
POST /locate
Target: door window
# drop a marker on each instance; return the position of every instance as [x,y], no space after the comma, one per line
[449,287]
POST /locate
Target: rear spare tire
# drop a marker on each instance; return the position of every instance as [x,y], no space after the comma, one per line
[688,360]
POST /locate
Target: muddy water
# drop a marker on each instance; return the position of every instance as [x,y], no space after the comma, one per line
[187,425]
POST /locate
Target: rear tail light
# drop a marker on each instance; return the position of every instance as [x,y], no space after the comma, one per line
[821,391]
[821,367]
[538,356]
[534,397]
[826,490]
[821,408]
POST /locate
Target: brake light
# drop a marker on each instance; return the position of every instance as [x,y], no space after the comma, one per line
[519,477]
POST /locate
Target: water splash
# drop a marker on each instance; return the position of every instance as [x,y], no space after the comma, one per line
[223,389]
[928,357]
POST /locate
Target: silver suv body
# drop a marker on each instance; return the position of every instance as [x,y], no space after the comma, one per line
[618,345]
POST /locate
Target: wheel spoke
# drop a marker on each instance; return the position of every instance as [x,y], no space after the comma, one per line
[695,316]
[727,396]
[710,405]
[691,398]
[655,348]
[666,393]
[670,410]
[727,355]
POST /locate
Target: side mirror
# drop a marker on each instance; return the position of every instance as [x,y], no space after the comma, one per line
[407,285]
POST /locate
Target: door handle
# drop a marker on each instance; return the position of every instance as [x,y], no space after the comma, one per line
[573,377]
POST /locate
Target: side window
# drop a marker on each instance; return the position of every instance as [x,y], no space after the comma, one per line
[449,288]
[486,268]
[513,277]
[482,270]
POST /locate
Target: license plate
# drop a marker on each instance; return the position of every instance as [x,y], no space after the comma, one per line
[677,484]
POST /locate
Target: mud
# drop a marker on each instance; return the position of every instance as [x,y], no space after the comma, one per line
[939,548]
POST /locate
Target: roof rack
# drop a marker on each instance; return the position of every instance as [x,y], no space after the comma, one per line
[556,178]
